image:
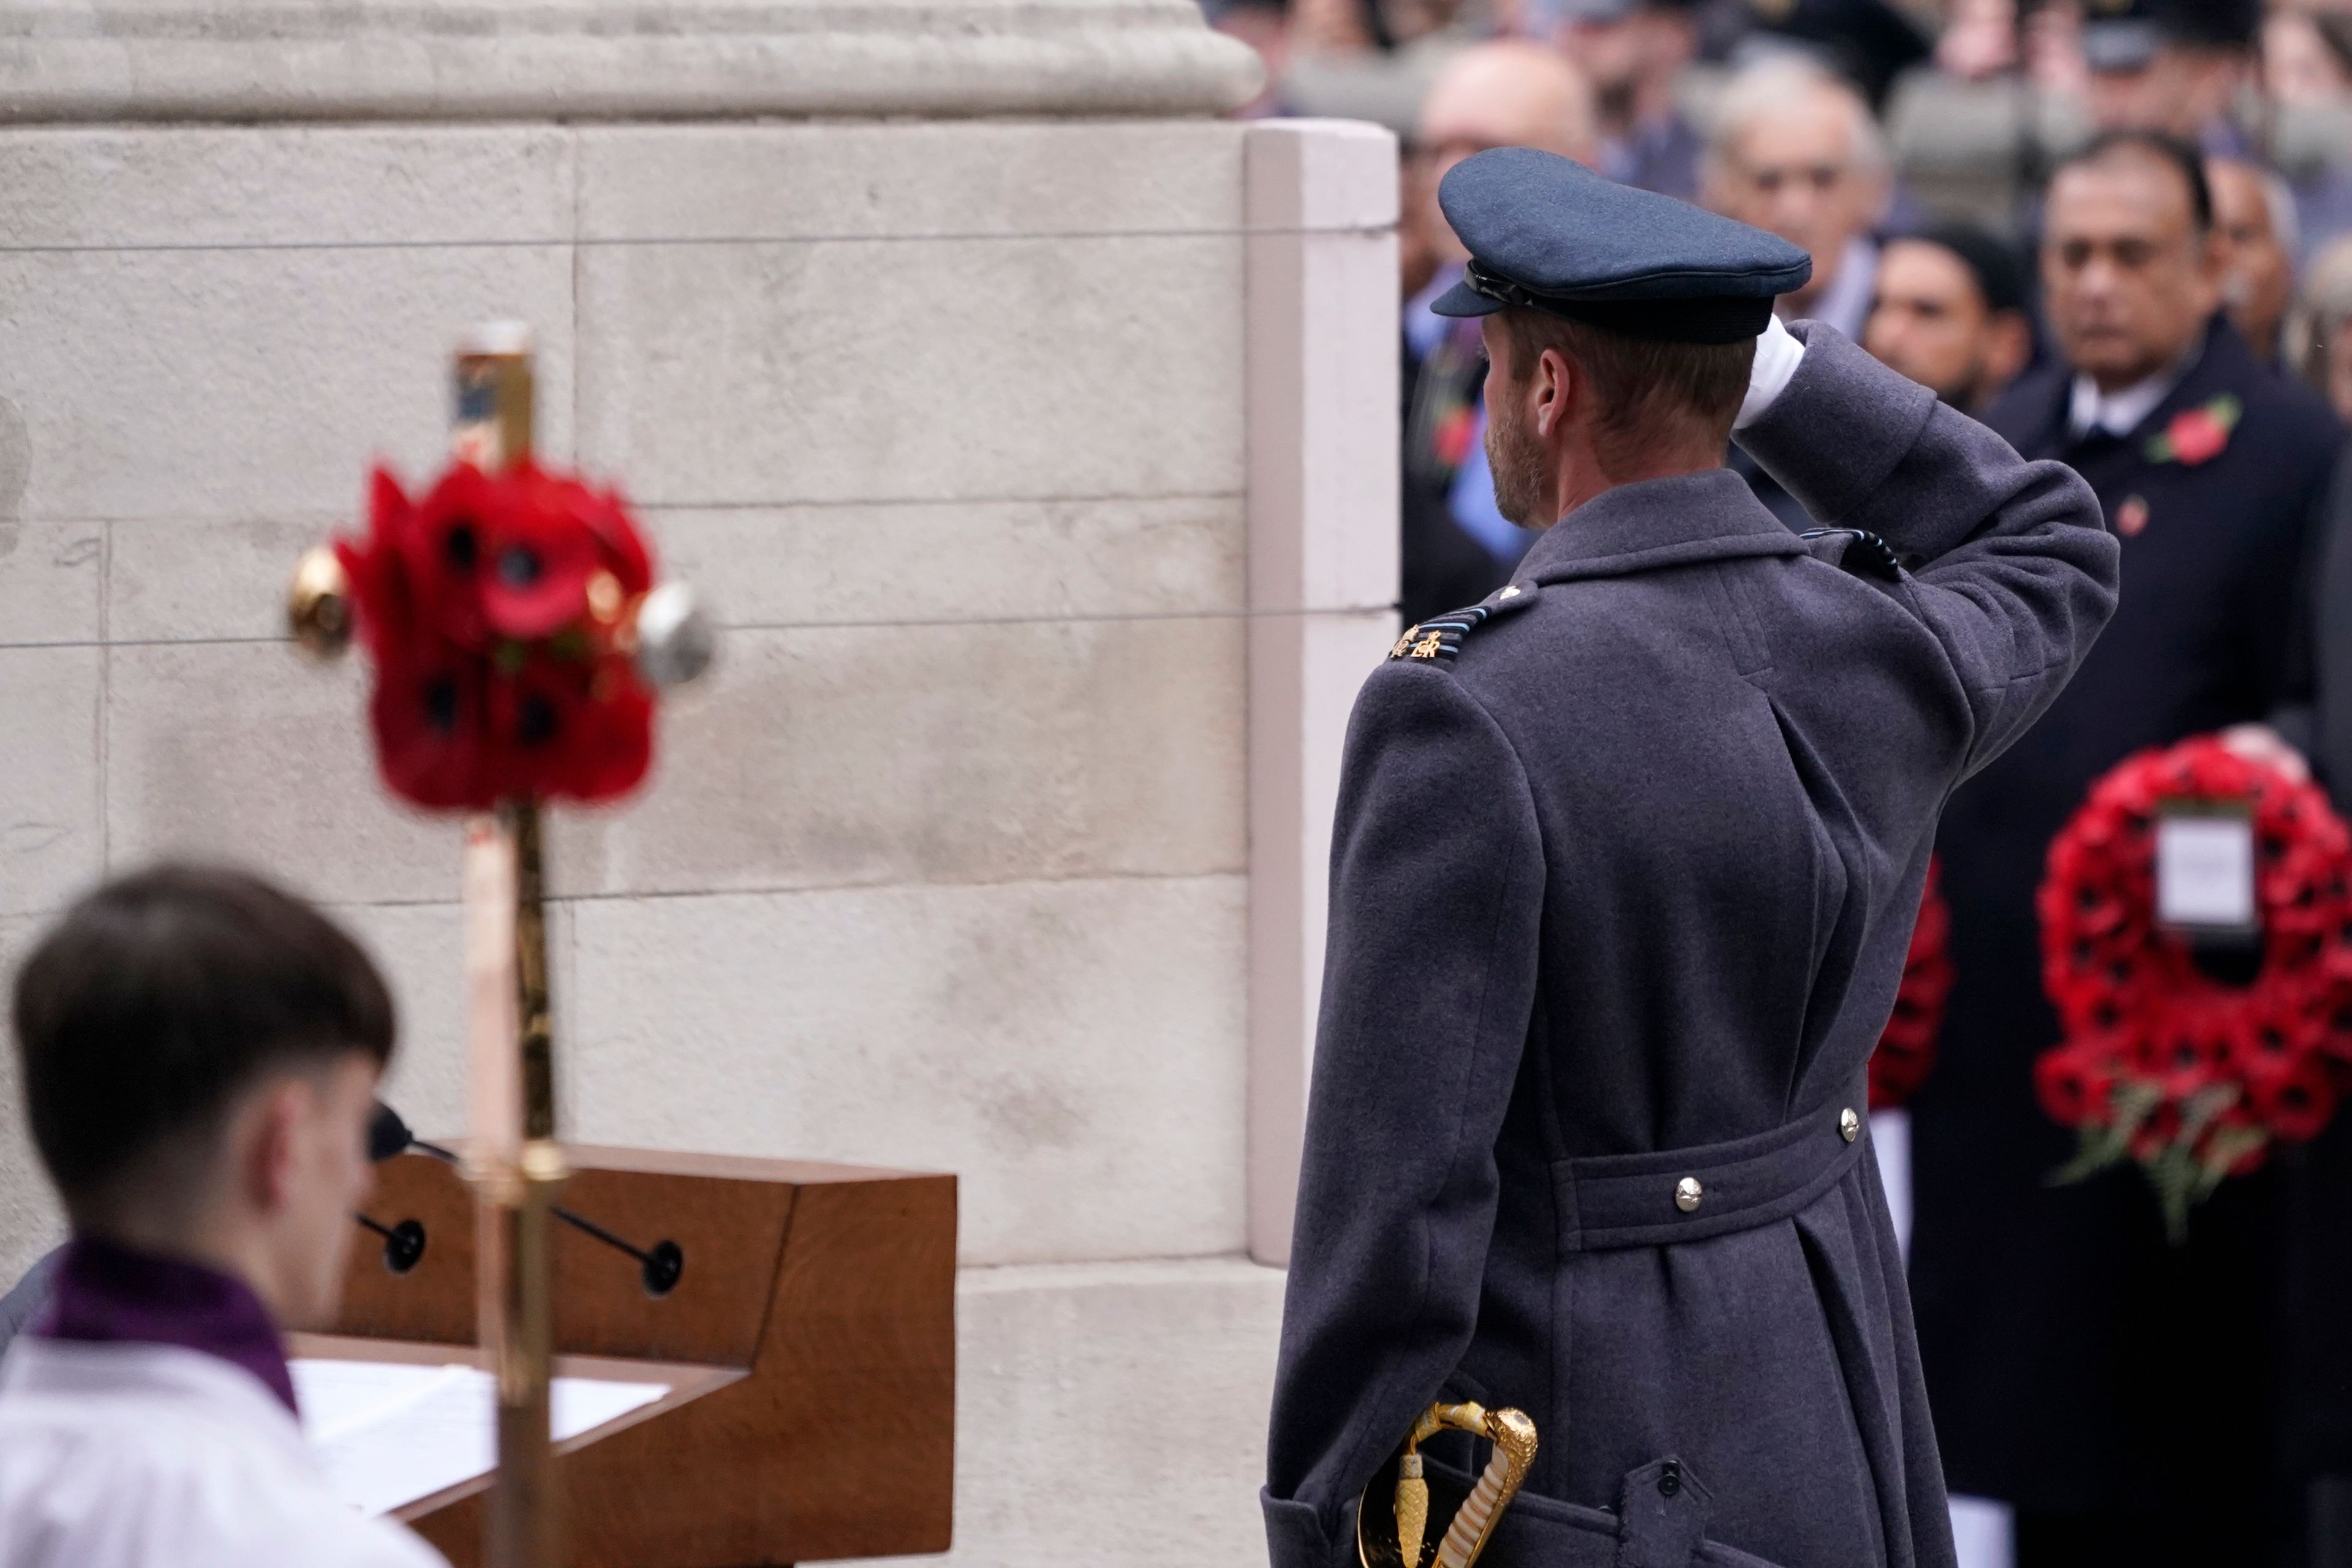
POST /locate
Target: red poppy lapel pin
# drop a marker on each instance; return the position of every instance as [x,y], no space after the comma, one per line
[2196,434]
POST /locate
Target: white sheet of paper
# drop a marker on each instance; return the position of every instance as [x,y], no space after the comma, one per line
[389,1434]
[2205,871]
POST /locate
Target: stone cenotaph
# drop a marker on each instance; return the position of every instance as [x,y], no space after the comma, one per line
[1029,427]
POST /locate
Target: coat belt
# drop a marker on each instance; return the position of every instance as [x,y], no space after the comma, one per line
[1689,1194]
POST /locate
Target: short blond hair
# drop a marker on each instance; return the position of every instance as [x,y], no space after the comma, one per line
[1647,388]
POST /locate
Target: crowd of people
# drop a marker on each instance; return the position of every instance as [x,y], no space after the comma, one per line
[2080,223]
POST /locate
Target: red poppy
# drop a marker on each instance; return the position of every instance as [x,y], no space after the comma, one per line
[494,608]
[569,727]
[439,552]
[2292,1102]
[1452,440]
[1906,1047]
[2077,1084]
[2196,437]
[547,540]
[428,711]
[386,610]
[2158,1133]
[536,562]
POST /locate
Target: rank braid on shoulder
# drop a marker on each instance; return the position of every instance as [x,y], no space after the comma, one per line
[1439,638]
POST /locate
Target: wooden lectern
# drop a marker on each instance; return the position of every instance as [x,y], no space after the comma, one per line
[809,1344]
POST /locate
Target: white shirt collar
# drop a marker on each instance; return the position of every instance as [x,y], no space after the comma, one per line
[2121,411]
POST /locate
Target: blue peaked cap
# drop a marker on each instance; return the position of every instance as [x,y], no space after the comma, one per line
[1547,234]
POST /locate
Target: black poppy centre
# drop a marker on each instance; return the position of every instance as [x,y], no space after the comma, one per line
[441,704]
[535,721]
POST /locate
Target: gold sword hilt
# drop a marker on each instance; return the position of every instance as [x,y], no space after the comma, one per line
[1514,1437]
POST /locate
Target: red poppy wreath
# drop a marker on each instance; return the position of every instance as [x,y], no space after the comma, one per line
[2193,1077]
[497,608]
[1907,1048]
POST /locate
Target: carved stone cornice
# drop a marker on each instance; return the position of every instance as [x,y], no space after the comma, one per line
[99,60]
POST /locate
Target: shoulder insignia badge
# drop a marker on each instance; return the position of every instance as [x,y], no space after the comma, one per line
[1857,550]
[1439,638]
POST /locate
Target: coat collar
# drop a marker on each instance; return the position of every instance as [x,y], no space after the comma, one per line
[1710,515]
[108,1294]
[2223,363]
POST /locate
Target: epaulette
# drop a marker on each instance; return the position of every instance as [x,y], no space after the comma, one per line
[1440,636]
[1863,552]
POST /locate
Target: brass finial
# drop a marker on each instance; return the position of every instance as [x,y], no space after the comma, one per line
[319,604]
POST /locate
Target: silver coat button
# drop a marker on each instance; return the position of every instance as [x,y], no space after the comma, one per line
[1850,1124]
[1687,1193]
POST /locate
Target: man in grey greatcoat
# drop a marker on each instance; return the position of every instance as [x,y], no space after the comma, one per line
[1625,866]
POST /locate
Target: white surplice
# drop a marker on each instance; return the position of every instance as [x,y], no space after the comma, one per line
[146,1456]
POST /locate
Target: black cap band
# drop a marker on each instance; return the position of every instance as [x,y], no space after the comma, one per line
[1711,319]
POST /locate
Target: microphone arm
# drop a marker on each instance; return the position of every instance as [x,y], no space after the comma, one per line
[404,1243]
[660,1265]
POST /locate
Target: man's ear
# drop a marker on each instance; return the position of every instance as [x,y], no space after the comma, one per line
[1555,385]
[2213,268]
[269,1164]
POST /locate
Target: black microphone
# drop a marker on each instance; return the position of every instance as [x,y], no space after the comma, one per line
[388,1135]
[404,1243]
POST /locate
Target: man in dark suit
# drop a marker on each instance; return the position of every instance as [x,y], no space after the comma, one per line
[2120,1391]
[1624,867]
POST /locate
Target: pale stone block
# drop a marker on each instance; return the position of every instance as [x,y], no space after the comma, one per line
[813,757]
[1321,174]
[919,370]
[847,564]
[1111,1413]
[50,575]
[421,950]
[184,580]
[1072,1050]
[731,182]
[179,579]
[1304,672]
[52,830]
[250,753]
[117,185]
[1322,371]
[963,752]
[30,1220]
[239,384]
[1323,562]
[1346,551]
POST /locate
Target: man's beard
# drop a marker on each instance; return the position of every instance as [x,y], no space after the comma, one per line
[1519,469]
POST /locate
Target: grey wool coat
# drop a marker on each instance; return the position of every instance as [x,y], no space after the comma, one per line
[1625,867]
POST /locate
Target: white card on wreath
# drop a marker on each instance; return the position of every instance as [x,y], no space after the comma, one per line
[2205,869]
